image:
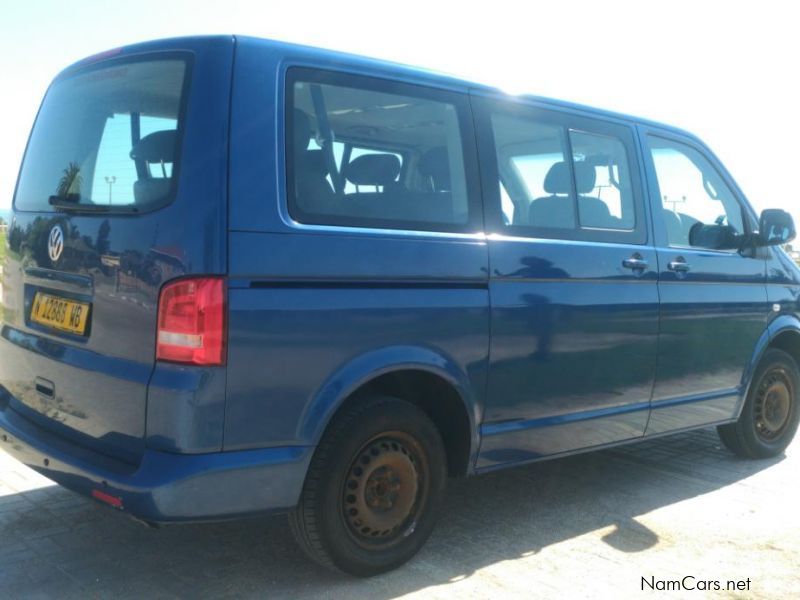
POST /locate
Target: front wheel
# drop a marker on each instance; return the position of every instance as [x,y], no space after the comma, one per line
[373,489]
[770,414]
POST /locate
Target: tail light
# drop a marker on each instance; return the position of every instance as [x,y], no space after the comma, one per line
[191,321]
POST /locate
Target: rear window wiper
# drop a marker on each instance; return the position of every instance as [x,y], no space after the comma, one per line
[60,203]
[69,204]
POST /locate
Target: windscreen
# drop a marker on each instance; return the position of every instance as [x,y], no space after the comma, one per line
[105,139]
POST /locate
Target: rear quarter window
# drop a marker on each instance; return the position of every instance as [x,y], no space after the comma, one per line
[364,152]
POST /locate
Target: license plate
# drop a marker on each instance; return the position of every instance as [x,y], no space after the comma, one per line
[60,313]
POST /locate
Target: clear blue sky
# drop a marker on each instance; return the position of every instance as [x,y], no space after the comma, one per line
[725,70]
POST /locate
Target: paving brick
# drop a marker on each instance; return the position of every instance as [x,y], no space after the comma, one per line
[581,527]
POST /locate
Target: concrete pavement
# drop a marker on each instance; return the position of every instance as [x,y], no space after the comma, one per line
[608,524]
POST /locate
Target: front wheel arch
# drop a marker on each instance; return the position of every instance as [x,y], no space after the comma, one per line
[782,333]
[747,436]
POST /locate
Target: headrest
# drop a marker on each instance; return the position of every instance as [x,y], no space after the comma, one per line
[302,130]
[585,177]
[156,147]
[373,169]
[557,179]
[313,161]
[147,191]
[435,165]
[716,237]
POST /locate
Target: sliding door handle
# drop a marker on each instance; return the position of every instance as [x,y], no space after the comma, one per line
[679,266]
[635,262]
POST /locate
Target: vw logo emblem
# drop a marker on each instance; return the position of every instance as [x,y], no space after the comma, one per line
[55,243]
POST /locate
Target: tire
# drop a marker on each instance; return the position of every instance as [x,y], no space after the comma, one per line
[374,488]
[771,413]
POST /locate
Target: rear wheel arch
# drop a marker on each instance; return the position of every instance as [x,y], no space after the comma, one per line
[427,381]
[439,400]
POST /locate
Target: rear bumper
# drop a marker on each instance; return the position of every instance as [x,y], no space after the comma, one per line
[164,487]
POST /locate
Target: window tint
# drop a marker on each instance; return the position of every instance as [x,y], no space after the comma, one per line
[339,150]
[506,205]
[373,154]
[106,136]
[115,172]
[606,200]
[699,208]
[539,183]
[527,153]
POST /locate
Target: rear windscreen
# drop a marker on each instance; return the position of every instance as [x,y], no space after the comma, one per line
[106,138]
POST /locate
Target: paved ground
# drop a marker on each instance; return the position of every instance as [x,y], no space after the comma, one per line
[587,526]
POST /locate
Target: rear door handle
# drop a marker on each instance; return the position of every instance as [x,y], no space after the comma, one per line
[679,266]
[635,262]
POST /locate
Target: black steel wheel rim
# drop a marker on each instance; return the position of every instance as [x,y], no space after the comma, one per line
[384,490]
[773,405]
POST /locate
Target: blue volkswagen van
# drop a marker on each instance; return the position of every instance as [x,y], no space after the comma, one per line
[247,277]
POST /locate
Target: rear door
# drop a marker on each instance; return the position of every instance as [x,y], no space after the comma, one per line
[111,202]
[572,283]
[713,297]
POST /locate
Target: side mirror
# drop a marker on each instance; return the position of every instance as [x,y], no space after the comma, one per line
[775,227]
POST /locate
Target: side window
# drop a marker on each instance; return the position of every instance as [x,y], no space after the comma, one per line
[562,181]
[351,152]
[699,209]
[371,153]
[601,162]
[532,168]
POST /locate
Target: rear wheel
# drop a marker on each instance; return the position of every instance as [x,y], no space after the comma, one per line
[770,414]
[373,489]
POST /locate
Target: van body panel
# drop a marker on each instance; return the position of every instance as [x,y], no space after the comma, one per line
[693,366]
[711,318]
[267,403]
[573,349]
[574,332]
[258,121]
[95,390]
[352,256]
[363,295]
[164,487]
[392,359]
[186,408]
[553,345]
[783,291]
[331,286]
[103,408]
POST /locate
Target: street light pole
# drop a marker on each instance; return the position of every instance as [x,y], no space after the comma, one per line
[110,181]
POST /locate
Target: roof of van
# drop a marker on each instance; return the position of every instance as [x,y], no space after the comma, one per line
[422,74]
[413,74]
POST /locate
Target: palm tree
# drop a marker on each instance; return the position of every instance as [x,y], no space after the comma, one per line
[69,186]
